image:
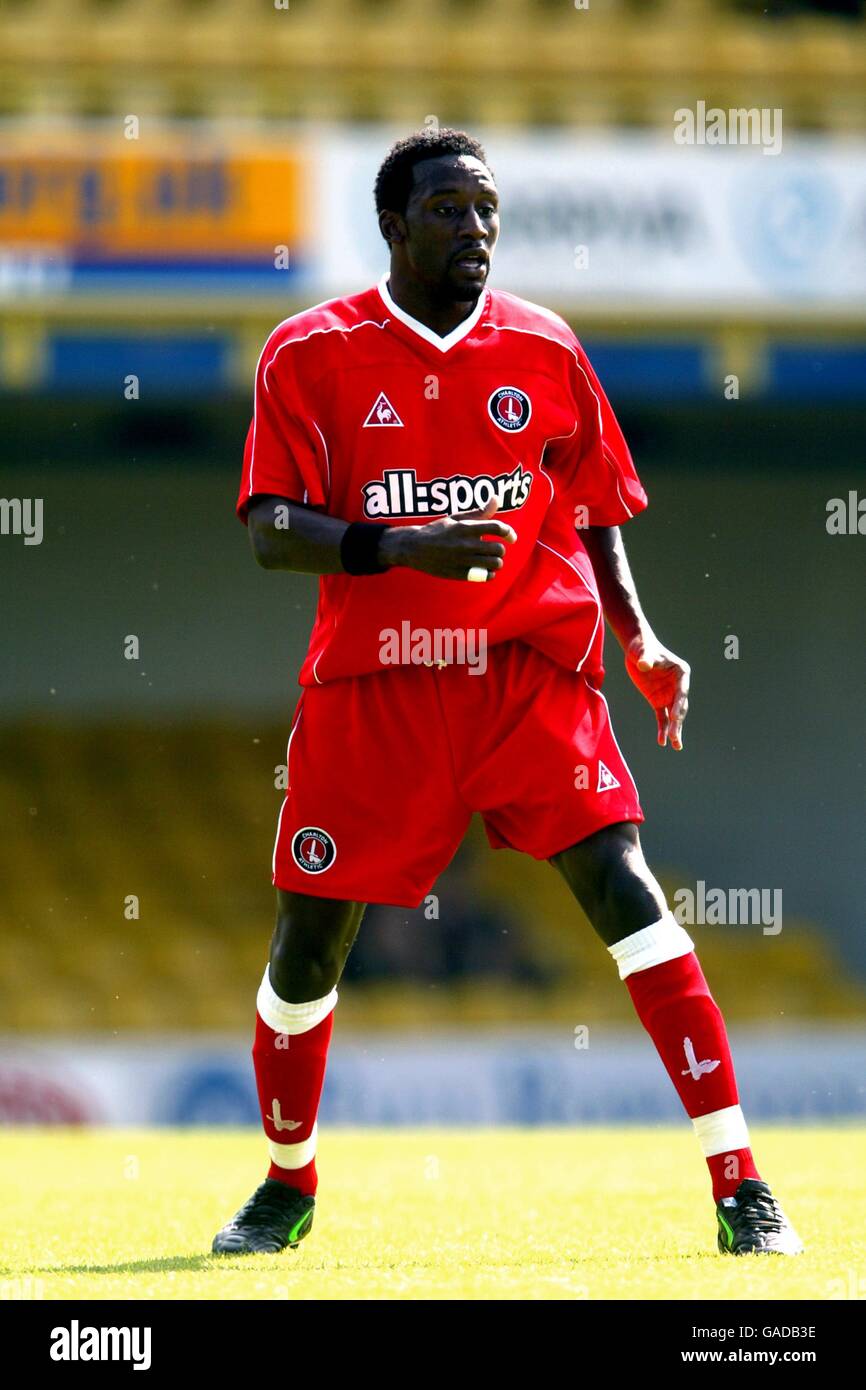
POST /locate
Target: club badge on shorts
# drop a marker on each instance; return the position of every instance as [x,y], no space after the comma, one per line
[313,850]
[509,408]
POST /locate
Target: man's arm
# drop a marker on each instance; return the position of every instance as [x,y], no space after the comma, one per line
[660,676]
[288,536]
[616,584]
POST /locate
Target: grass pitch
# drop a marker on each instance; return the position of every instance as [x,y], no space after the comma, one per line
[485,1214]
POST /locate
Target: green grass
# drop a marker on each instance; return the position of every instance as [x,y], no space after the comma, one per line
[486,1214]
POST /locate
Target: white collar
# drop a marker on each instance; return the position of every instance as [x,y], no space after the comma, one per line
[443,344]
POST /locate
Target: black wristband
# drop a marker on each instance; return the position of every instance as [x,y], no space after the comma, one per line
[359,546]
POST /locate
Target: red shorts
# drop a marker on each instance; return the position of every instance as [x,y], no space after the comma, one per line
[385,771]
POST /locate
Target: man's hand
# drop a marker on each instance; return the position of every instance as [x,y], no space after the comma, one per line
[663,679]
[451,547]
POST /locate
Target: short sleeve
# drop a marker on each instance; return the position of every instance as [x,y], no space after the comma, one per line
[603,478]
[285,453]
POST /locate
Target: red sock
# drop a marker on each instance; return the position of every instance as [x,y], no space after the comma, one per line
[290,1072]
[674,1004]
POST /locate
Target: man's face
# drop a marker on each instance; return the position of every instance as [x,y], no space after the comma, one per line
[452,222]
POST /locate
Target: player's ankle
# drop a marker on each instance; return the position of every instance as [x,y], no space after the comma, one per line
[304,1179]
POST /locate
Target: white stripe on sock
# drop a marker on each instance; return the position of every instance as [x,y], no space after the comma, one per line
[283,1017]
[653,945]
[722,1130]
[292,1156]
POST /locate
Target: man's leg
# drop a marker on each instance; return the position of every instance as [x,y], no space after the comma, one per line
[348,796]
[294,1019]
[611,880]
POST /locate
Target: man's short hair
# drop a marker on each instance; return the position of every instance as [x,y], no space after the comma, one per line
[394,179]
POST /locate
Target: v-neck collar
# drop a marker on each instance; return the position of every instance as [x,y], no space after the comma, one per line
[443,344]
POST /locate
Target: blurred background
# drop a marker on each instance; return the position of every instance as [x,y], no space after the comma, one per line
[175,179]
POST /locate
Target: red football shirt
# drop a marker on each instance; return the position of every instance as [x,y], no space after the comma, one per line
[364,412]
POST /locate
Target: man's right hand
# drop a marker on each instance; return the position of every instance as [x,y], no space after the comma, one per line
[451,547]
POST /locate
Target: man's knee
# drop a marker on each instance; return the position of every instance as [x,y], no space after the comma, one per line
[312,938]
[603,862]
[611,880]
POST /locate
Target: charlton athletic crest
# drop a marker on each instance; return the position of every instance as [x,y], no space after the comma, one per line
[510,408]
[313,850]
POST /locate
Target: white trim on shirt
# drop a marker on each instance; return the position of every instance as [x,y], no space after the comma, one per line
[443,344]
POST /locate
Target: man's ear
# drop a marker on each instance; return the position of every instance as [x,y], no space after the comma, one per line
[392,227]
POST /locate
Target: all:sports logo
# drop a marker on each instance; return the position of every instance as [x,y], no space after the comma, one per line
[400,492]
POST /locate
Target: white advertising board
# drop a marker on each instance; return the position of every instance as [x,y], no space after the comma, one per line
[635,221]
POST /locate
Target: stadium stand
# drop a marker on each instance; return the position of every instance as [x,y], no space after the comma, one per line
[171,815]
[618,63]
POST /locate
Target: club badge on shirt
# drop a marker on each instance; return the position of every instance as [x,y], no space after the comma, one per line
[510,408]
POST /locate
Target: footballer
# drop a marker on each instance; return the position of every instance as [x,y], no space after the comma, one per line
[442,454]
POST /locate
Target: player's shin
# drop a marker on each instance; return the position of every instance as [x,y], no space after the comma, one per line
[290,1054]
[674,1004]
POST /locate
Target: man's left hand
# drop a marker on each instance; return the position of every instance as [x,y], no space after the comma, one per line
[663,679]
